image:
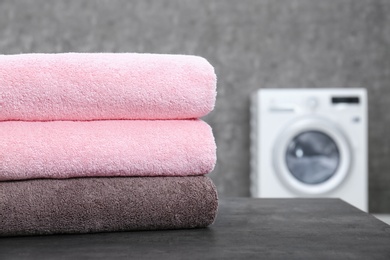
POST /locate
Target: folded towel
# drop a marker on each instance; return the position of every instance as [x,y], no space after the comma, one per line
[85,205]
[64,149]
[86,86]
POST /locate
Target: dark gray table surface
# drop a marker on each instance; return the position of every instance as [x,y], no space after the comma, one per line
[244,229]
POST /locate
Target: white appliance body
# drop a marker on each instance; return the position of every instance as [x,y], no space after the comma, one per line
[310,143]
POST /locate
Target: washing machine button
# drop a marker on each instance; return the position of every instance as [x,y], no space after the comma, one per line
[312,103]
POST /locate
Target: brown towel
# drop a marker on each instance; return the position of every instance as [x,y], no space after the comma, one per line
[86,205]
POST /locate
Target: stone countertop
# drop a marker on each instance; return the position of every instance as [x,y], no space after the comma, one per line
[244,229]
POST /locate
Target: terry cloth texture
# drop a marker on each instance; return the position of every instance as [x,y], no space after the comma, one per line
[64,149]
[94,86]
[86,205]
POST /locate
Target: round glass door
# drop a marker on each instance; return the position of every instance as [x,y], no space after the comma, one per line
[312,157]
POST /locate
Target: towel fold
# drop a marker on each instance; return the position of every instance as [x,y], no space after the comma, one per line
[64,149]
[86,205]
[94,86]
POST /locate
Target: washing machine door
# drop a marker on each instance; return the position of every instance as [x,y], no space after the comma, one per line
[312,156]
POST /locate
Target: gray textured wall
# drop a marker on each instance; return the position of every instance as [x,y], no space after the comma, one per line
[251,43]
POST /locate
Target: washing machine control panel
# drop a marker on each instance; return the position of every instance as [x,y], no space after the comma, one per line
[315,103]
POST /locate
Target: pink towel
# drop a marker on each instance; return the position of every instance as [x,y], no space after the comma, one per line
[86,86]
[64,149]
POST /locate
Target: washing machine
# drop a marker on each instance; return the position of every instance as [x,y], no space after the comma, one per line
[310,143]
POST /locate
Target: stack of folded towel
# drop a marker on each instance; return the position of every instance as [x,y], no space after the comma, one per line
[105,142]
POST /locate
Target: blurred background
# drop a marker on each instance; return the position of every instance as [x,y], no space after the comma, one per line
[251,43]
